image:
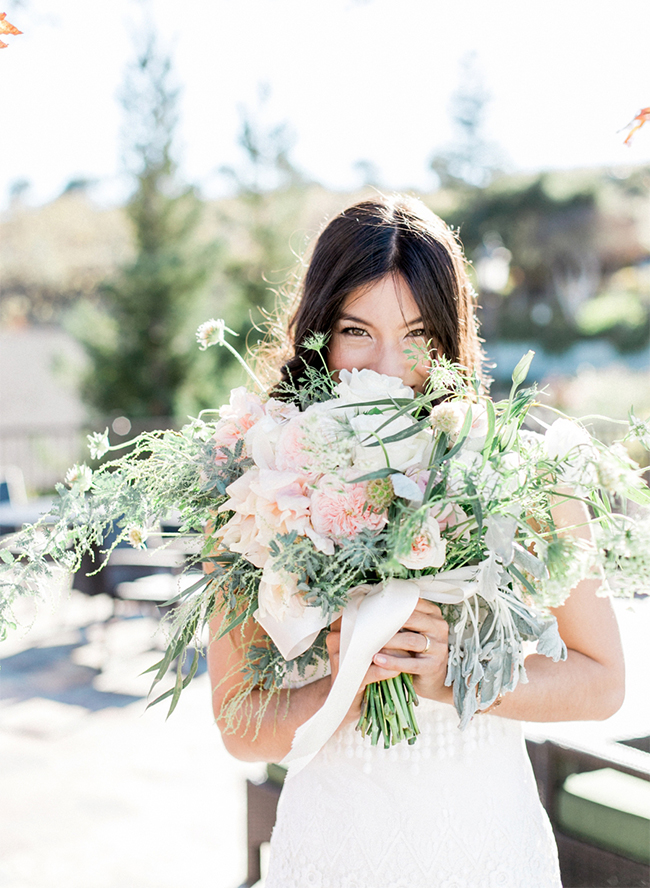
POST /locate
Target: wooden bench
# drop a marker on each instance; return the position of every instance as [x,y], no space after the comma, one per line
[572,788]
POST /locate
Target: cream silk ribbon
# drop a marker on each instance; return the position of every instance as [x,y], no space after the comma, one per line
[374,614]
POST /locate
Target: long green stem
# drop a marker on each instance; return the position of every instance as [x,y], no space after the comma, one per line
[388,711]
[234,352]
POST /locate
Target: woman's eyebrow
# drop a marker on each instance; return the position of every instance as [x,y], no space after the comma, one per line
[349,317]
[356,320]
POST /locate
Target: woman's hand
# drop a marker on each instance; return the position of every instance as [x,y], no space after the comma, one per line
[407,651]
[420,648]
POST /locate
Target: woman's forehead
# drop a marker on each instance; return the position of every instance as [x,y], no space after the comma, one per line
[391,293]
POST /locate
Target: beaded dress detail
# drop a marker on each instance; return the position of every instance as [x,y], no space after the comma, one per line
[458,809]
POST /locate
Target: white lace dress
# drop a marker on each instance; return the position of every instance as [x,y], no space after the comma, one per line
[455,810]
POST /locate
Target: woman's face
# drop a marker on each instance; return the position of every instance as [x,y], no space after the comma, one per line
[376,327]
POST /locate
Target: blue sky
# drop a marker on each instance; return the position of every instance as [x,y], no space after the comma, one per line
[354,79]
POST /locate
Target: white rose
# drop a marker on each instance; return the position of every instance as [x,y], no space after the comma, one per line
[565,437]
[369,455]
[361,386]
[478,430]
[569,443]
[261,440]
[278,594]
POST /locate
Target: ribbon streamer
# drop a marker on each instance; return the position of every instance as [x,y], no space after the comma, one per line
[374,614]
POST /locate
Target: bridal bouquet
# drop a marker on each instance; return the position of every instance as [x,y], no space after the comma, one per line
[331,499]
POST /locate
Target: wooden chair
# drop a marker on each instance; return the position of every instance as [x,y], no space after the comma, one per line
[262,802]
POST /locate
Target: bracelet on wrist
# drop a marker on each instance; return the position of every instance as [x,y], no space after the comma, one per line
[492,706]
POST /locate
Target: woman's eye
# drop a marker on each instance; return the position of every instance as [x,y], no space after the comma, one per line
[418,333]
[354,331]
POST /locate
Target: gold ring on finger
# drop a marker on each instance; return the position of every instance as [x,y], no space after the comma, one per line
[428,643]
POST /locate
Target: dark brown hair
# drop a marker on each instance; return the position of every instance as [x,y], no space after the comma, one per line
[380,237]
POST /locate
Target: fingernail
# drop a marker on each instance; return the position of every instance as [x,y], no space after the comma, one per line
[380,659]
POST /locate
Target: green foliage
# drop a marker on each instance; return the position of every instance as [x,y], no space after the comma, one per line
[561,288]
[610,310]
[140,345]
[530,216]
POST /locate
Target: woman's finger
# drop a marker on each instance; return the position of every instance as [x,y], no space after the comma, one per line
[425,606]
[429,624]
[413,642]
[434,661]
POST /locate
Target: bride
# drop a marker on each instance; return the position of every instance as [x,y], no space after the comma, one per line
[456,809]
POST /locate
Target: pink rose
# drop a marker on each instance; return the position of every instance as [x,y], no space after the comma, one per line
[243,404]
[226,435]
[428,549]
[289,452]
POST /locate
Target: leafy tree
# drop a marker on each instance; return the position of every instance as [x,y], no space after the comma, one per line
[271,194]
[140,338]
[470,160]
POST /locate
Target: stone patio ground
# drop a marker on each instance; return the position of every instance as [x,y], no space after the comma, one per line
[98,792]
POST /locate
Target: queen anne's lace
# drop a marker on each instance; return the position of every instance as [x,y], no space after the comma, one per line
[455,810]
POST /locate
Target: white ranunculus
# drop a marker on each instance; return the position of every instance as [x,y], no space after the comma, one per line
[359,386]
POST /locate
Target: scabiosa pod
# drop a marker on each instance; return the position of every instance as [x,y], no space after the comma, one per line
[213,332]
